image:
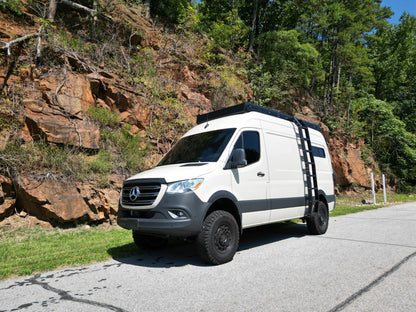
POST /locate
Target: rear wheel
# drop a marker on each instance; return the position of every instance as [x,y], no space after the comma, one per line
[218,240]
[145,241]
[318,222]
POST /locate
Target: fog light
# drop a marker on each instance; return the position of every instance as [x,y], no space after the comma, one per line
[177,214]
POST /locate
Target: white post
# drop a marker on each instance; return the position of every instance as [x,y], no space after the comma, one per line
[384,189]
[373,189]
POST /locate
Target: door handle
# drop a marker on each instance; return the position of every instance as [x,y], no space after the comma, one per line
[260,174]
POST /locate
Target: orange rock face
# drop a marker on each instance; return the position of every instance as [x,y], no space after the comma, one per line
[348,162]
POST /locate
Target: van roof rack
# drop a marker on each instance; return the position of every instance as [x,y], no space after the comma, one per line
[250,107]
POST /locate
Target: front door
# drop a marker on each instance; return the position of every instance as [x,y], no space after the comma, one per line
[249,183]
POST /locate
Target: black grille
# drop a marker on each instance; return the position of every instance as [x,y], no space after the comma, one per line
[146,196]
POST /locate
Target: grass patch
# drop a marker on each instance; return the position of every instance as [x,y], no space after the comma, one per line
[347,204]
[340,210]
[27,251]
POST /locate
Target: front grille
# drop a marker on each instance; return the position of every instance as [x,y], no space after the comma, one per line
[144,195]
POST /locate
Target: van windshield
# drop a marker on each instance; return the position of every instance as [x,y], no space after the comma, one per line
[201,147]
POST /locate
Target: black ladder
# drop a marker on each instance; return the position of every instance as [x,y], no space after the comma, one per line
[310,168]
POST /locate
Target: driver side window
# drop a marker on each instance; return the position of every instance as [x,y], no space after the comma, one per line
[250,142]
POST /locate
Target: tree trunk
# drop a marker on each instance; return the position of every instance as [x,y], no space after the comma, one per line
[349,96]
[147,5]
[78,6]
[328,82]
[312,84]
[8,45]
[334,72]
[253,25]
[52,9]
[234,19]
[339,74]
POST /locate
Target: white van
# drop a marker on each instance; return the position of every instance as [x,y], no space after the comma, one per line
[240,167]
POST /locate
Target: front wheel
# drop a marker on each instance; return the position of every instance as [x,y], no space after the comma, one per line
[218,240]
[318,222]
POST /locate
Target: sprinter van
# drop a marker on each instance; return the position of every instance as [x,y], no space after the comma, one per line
[240,167]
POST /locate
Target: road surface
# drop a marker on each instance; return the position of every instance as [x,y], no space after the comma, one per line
[365,262]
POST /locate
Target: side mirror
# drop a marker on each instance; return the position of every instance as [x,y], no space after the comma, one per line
[237,159]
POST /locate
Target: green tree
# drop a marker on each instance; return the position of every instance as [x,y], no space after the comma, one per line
[338,29]
[393,54]
[386,134]
[169,10]
[283,54]
[221,19]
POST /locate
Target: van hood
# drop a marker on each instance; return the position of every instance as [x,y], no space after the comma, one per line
[177,172]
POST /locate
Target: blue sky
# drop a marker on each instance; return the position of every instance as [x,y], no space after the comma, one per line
[398,7]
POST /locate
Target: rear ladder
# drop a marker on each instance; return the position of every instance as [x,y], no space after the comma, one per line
[310,178]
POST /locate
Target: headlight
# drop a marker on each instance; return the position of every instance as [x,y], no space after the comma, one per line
[184,186]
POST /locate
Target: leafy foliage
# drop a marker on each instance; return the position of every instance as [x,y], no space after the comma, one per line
[120,150]
[267,88]
[286,57]
[394,146]
[104,116]
[394,66]
[171,10]
[14,6]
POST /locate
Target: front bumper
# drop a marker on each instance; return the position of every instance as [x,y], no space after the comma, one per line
[176,215]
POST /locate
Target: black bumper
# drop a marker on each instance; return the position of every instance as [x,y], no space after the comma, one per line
[159,221]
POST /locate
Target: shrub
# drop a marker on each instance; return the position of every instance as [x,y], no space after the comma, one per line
[42,158]
[104,116]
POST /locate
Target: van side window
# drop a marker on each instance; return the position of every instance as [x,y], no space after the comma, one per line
[318,152]
[250,142]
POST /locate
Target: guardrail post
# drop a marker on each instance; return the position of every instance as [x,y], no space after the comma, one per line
[373,189]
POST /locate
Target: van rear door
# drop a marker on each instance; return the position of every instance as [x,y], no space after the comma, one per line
[287,188]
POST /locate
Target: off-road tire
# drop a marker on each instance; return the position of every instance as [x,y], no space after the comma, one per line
[218,240]
[318,222]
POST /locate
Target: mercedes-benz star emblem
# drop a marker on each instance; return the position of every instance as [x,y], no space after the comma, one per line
[134,193]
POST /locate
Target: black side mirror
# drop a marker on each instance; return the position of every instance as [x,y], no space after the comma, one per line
[237,159]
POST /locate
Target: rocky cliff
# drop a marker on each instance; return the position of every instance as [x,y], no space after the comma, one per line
[149,81]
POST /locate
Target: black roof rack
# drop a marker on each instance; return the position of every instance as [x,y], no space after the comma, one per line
[250,107]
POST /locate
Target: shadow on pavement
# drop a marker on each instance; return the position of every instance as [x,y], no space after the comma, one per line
[180,253]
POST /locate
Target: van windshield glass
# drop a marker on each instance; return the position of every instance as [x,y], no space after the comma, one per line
[201,147]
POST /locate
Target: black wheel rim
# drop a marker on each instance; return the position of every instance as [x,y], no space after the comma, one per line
[322,216]
[223,237]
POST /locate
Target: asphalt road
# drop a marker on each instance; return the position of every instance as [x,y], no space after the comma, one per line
[365,262]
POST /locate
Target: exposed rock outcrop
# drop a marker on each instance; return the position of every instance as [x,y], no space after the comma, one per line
[60,203]
[102,202]
[348,162]
[54,127]
[7,197]
[52,201]
[55,111]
